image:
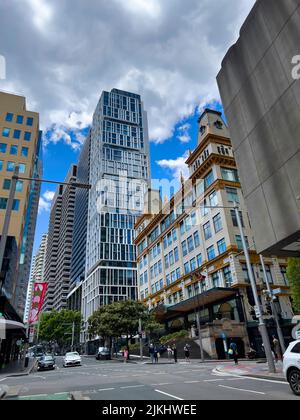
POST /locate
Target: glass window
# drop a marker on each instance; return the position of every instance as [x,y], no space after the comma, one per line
[240,243]
[230,174]
[269,274]
[296,349]
[204,209]
[9,117]
[6,184]
[187,268]
[216,280]
[213,198]
[22,167]
[211,253]
[234,218]
[222,246]
[218,223]
[27,136]
[3,147]
[17,134]
[1,165]
[283,271]
[10,166]
[167,261]
[16,205]
[227,276]
[6,132]
[184,248]
[207,231]
[199,260]
[193,264]
[20,119]
[14,150]
[174,235]
[3,203]
[29,122]
[176,254]
[196,239]
[190,244]
[182,228]
[171,258]
[232,195]
[209,180]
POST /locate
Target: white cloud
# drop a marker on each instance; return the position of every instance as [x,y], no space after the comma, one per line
[169,51]
[46,201]
[184,135]
[177,167]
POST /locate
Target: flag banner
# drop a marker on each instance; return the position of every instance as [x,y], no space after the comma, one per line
[39,292]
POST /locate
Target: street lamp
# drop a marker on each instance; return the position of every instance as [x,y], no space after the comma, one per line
[199,327]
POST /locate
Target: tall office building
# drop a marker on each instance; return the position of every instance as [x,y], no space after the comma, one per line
[59,248]
[119,175]
[20,144]
[80,228]
[37,273]
[260,90]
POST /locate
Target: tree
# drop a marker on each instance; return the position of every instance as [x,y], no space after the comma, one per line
[57,327]
[293,273]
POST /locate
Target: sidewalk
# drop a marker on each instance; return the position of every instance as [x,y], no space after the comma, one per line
[16,368]
[252,369]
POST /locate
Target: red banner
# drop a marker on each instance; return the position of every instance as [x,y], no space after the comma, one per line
[39,292]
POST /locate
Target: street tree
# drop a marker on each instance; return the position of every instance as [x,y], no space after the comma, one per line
[293,273]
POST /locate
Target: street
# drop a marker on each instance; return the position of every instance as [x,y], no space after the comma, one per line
[109,381]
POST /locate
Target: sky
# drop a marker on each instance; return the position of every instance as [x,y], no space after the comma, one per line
[61,54]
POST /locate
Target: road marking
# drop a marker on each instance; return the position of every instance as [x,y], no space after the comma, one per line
[214,380]
[33,396]
[133,386]
[169,395]
[266,380]
[106,389]
[1,380]
[192,382]
[161,384]
[242,390]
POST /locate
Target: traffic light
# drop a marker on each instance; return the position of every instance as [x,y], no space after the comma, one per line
[269,309]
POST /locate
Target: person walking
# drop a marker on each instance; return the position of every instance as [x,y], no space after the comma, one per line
[170,353]
[151,353]
[187,352]
[233,351]
[174,349]
[156,355]
[126,355]
[277,350]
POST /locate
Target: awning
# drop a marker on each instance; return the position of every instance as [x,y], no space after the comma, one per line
[11,325]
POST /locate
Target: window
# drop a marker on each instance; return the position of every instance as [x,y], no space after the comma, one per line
[171,258]
[211,253]
[16,205]
[3,203]
[222,246]
[178,273]
[204,208]
[29,122]
[199,260]
[17,134]
[284,275]
[3,147]
[167,261]
[246,273]
[209,180]
[213,199]
[184,248]
[20,119]
[187,268]
[9,117]
[10,166]
[216,280]
[296,349]
[1,165]
[232,195]
[193,264]
[176,254]
[14,150]
[196,239]
[227,276]
[207,231]
[174,235]
[190,244]
[240,243]
[6,184]
[234,218]
[269,274]
[218,223]
[182,228]
[230,174]
[6,132]
[22,167]
[27,136]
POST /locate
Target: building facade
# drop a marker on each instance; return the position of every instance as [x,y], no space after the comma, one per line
[119,176]
[190,254]
[260,90]
[60,242]
[37,273]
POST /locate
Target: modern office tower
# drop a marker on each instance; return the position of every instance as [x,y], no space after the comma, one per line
[119,175]
[37,273]
[190,255]
[260,89]
[59,248]
[80,228]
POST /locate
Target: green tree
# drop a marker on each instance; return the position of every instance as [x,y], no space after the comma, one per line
[57,327]
[293,273]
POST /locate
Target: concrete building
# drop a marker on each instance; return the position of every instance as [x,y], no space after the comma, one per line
[20,144]
[119,176]
[37,273]
[190,254]
[80,228]
[260,90]
[60,241]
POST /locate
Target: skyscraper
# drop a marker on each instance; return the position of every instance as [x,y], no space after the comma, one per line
[119,175]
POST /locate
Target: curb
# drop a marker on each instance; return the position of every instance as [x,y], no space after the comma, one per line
[251,375]
[17,375]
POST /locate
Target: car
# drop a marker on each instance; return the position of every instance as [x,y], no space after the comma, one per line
[46,362]
[291,366]
[72,359]
[103,353]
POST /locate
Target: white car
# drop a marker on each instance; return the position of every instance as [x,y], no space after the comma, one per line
[291,366]
[72,359]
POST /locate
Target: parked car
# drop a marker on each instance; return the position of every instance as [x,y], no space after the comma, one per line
[72,359]
[291,366]
[103,354]
[46,362]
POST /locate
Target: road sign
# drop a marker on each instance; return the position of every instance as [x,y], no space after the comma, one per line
[258,311]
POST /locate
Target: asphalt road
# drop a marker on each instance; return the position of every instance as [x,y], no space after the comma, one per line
[111,381]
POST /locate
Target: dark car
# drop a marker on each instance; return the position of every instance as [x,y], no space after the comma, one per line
[46,363]
[103,354]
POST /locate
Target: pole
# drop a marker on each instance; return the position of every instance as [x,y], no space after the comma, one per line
[141,340]
[73,333]
[8,212]
[274,310]
[199,329]
[262,325]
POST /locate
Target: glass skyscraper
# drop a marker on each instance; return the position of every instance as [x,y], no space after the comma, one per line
[120,177]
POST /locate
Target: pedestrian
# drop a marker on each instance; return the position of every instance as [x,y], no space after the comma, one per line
[187,352]
[233,351]
[126,355]
[174,349]
[277,350]
[170,353]
[151,353]
[156,355]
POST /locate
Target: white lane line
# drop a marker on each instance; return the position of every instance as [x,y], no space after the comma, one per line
[265,380]
[242,390]
[133,386]
[169,395]
[192,382]
[161,384]
[1,380]
[106,389]
[33,396]
[214,380]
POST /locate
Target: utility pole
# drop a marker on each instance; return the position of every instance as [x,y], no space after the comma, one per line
[141,340]
[274,310]
[262,325]
[73,334]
